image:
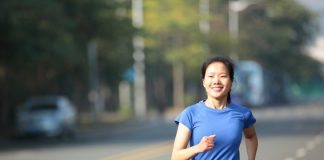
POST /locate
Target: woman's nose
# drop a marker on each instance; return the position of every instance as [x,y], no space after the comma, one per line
[216,80]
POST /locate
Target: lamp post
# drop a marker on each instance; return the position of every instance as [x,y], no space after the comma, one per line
[235,6]
[139,59]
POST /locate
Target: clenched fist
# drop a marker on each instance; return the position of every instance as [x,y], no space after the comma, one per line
[206,143]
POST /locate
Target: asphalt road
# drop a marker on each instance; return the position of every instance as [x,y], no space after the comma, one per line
[294,132]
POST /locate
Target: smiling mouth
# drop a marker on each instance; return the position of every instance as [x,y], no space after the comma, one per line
[217,89]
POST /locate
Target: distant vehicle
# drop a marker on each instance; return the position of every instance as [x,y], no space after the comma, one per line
[255,86]
[51,116]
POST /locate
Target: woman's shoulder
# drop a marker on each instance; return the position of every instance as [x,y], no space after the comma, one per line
[193,107]
[239,108]
[188,113]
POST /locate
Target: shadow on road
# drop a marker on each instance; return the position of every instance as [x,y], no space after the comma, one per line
[135,131]
[290,127]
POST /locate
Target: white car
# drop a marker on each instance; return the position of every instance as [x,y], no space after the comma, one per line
[51,116]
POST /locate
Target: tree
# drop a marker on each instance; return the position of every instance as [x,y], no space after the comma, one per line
[275,34]
[272,33]
[172,40]
[44,48]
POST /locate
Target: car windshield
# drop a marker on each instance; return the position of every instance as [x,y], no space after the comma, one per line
[43,107]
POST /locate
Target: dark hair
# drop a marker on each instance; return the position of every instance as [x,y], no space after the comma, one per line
[227,62]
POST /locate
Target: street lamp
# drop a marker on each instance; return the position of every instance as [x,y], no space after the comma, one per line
[235,6]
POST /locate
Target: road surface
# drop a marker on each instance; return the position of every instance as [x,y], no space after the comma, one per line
[294,132]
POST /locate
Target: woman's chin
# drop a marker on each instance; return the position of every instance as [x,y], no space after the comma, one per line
[218,96]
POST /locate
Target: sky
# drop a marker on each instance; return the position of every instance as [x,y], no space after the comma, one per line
[316,50]
[316,6]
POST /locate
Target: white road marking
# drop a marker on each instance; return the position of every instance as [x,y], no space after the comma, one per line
[301,152]
[310,145]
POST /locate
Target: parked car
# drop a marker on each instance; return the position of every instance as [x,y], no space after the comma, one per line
[51,116]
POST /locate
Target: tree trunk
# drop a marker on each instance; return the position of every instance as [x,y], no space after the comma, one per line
[178,85]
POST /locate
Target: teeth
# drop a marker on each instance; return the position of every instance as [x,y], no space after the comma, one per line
[217,89]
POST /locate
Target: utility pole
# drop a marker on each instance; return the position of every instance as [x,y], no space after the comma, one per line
[204,25]
[139,61]
[204,16]
[235,6]
[94,96]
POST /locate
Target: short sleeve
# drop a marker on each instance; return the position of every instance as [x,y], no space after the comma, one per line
[249,119]
[185,118]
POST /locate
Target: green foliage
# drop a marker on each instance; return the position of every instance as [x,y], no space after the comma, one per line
[43,45]
[172,33]
[275,34]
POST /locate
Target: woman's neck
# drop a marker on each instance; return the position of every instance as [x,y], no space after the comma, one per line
[216,104]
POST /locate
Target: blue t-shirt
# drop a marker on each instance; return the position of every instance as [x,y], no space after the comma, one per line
[227,124]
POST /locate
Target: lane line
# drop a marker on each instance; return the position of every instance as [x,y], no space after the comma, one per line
[149,154]
[301,152]
[310,145]
[318,139]
[146,152]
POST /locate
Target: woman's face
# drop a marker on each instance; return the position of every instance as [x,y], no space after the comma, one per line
[217,81]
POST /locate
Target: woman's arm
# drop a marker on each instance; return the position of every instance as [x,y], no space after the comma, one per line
[180,150]
[251,141]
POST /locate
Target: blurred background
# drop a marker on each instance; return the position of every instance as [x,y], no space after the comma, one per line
[107,77]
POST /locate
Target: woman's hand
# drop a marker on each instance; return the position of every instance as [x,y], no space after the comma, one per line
[180,150]
[206,143]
